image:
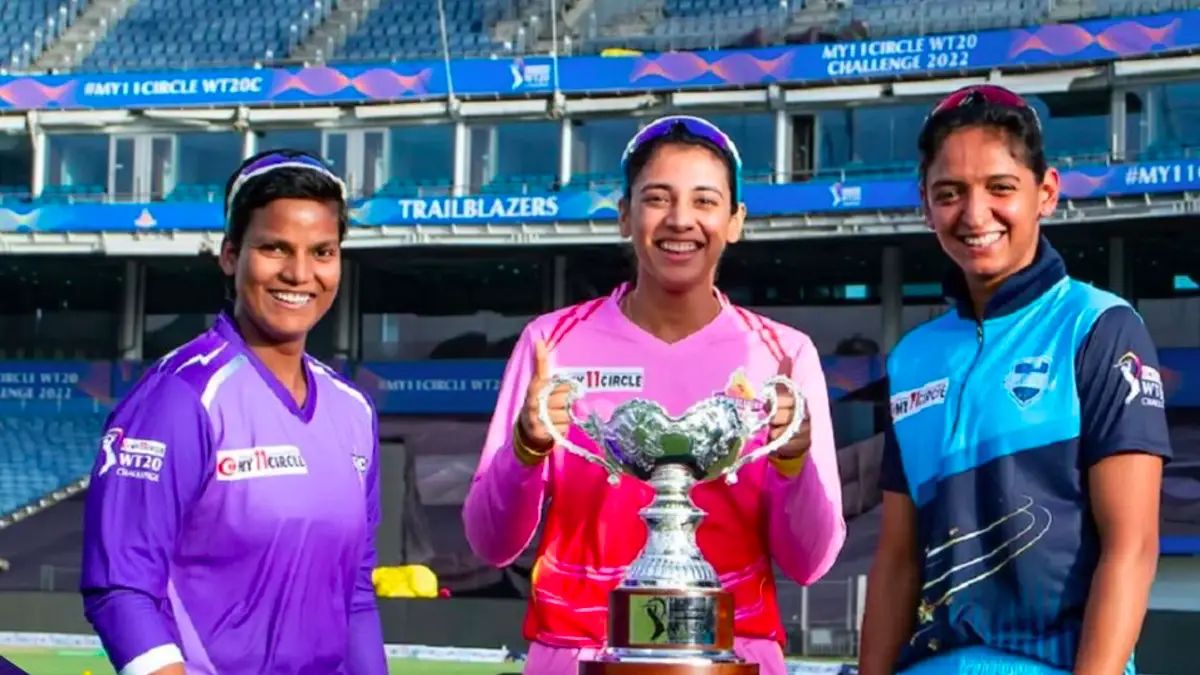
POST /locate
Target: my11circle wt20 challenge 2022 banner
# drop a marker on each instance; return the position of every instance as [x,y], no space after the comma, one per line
[1058,44]
[438,387]
[841,63]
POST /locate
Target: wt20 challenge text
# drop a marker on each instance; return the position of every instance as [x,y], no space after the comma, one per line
[905,55]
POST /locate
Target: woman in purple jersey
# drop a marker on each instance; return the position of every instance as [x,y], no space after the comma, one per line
[230,519]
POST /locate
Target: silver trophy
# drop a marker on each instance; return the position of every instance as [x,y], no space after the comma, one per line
[670,607]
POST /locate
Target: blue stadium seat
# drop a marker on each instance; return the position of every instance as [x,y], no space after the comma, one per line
[171,34]
[410,29]
[29,26]
[41,453]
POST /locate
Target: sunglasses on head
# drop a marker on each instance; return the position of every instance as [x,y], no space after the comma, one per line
[988,94]
[287,159]
[695,126]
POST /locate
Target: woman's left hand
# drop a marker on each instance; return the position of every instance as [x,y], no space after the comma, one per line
[785,410]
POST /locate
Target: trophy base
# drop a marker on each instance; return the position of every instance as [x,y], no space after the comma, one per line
[665,620]
[666,668]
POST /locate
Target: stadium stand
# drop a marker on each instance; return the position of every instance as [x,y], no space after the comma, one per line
[160,34]
[410,29]
[40,453]
[29,27]
[164,34]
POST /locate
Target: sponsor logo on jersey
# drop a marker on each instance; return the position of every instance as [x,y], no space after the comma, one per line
[136,458]
[263,462]
[108,448]
[1144,383]
[607,379]
[1028,379]
[909,403]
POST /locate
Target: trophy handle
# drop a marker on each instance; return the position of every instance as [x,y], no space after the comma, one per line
[574,393]
[772,400]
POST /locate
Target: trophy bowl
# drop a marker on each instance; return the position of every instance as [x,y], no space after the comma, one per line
[670,615]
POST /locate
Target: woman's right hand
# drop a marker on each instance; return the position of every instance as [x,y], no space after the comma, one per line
[533,432]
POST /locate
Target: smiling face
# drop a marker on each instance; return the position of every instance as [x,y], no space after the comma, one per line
[984,203]
[287,269]
[680,216]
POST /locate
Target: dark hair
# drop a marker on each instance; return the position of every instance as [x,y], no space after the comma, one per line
[1018,123]
[679,135]
[282,183]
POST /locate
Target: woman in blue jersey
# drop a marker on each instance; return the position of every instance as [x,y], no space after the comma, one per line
[230,518]
[1023,466]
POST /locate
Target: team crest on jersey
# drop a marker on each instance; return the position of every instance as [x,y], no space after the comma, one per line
[360,466]
[741,391]
[1028,379]
[607,379]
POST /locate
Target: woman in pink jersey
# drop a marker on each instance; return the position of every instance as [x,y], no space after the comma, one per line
[674,338]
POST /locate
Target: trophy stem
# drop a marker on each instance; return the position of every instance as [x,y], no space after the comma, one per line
[671,558]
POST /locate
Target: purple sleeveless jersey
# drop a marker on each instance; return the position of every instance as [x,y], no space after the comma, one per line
[229,528]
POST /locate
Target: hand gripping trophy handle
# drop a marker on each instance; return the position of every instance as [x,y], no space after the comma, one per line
[771,396]
[575,391]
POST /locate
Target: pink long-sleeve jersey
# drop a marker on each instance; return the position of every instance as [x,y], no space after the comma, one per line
[593,531]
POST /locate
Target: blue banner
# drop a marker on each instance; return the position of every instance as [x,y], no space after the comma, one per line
[574,206]
[447,387]
[1019,49]
[55,385]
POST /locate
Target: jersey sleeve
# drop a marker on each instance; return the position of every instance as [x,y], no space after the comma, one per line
[806,528]
[891,468]
[504,503]
[1121,396]
[154,458]
[367,655]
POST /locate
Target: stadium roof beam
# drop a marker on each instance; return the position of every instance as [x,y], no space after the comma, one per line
[1054,82]
[190,116]
[503,108]
[689,99]
[860,92]
[934,87]
[1166,66]
[84,118]
[313,115]
[612,104]
[416,110]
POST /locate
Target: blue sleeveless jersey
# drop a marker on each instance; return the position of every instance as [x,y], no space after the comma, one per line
[994,426]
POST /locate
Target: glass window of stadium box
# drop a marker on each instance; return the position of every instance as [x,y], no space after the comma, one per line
[449,304]
[754,135]
[359,156]
[596,147]
[16,166]
[77,167]
[1084,249]
[141,167]
[1163,265]
[876,141]
[205,161]
[422,161]
[514,157]
[307,140]
[184,295]
[1163,121]
[60,307]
